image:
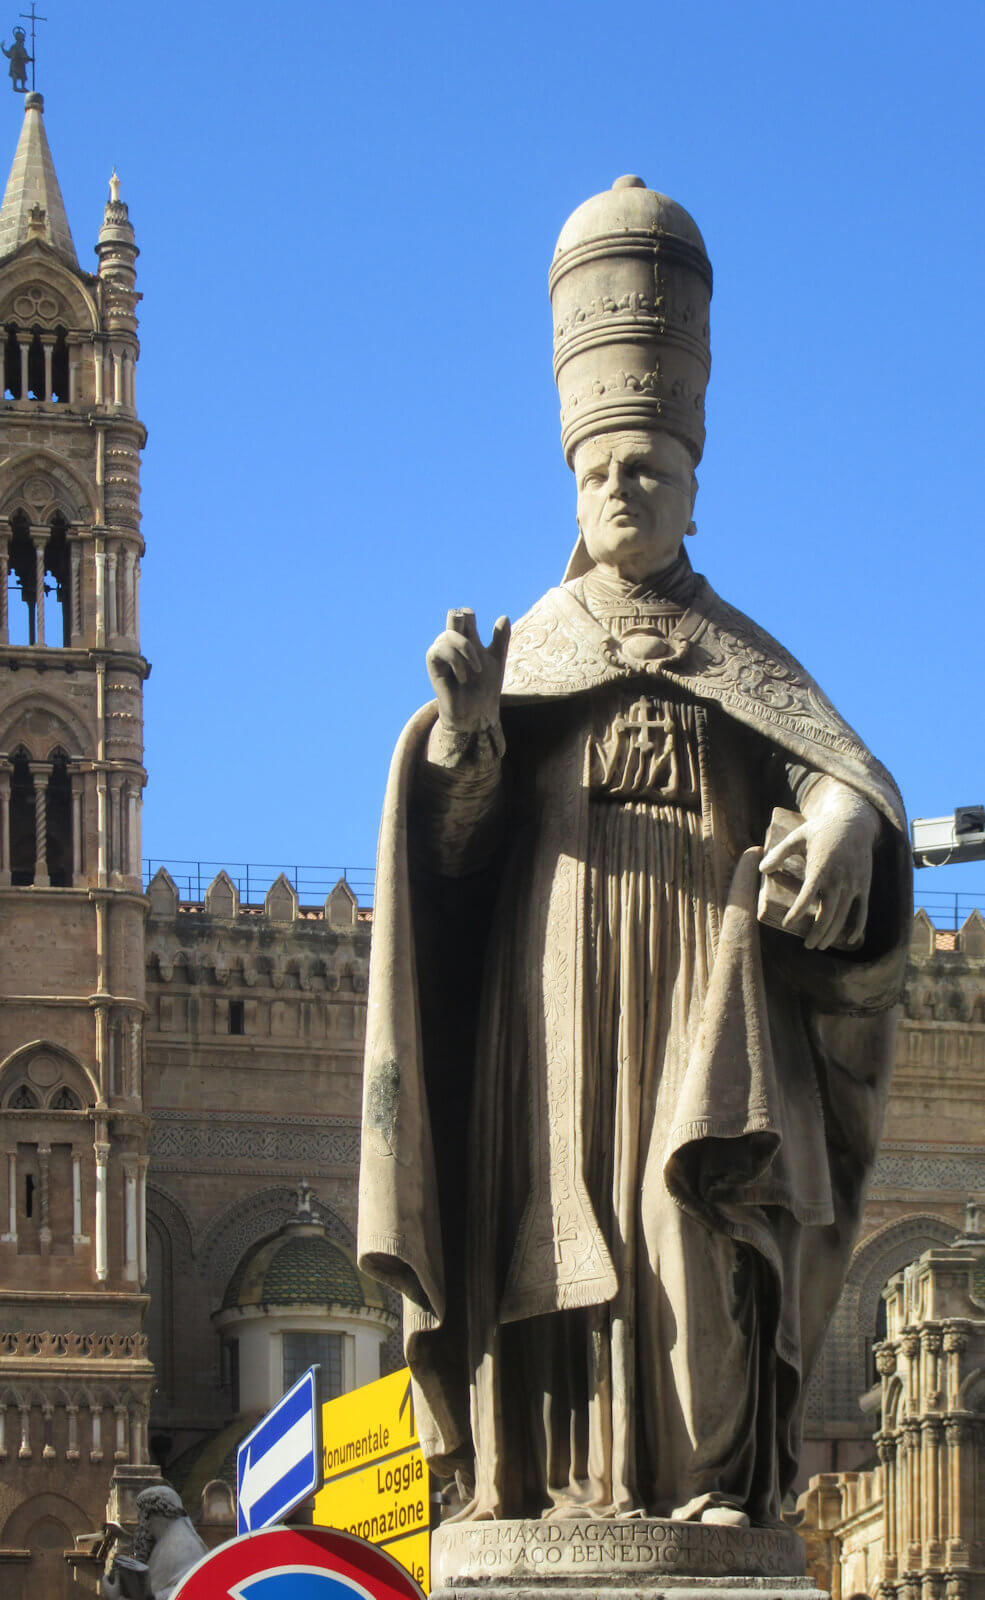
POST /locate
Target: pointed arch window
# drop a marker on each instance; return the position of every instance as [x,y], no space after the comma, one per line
[22,585]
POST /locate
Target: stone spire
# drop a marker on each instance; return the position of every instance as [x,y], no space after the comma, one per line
[32,188]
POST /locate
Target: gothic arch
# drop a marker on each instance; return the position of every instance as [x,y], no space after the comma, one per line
[74,1073]
[246,1222]
[38,1508]
[73,305]
[40,483]
[22,723]
[842,1374]
[172,1216]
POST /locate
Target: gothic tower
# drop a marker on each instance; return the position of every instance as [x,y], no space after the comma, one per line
[75,1383]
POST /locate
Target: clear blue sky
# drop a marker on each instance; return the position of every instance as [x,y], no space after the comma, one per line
[346,216]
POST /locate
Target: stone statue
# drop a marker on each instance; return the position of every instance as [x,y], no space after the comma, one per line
[165,1548]
[620,1110]
[19,60]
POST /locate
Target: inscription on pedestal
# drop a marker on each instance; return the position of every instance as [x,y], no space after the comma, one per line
[595,1549]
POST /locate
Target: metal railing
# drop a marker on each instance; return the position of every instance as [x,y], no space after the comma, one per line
[253,878]
[948,910]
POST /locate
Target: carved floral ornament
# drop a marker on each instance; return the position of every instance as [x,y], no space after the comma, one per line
[16,1344]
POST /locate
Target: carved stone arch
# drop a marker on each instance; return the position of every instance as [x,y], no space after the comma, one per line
[895,1396]
[249,1221]
[73,306]
[39,1508]
[971,1395]
[172,1216]
[37,720]
[39,483]
[841,1375]
[73,1072]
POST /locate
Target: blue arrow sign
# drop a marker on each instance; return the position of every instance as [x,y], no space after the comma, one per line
[279,1464]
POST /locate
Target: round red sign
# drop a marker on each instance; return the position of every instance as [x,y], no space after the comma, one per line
[298,1564]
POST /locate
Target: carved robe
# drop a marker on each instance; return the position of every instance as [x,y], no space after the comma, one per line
[608,1118]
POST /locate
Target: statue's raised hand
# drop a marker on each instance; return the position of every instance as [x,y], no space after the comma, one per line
[837,838]
[467,675]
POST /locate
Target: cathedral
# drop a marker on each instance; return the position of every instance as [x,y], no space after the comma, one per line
[180,1075]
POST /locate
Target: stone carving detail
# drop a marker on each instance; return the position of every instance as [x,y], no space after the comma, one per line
[916,1169]
[183,1139]
[17,1344]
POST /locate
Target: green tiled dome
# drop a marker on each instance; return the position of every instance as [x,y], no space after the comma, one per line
[299,1267]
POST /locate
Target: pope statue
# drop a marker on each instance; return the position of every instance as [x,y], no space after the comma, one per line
[625,1067]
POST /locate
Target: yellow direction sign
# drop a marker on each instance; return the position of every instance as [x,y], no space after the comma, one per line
[376,1482]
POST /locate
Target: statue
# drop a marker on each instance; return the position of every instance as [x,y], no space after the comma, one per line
[165,1548]
[19,61]
[625,1071]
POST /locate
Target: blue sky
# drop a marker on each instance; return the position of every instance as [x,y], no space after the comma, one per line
[346,217]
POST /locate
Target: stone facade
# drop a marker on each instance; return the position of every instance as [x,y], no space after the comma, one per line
[75,1380]
[915,1524]
[255,1024]
[932,1159]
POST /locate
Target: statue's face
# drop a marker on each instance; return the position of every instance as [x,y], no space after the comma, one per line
[635,497]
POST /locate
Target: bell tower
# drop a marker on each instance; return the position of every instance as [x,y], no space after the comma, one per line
[75,1383]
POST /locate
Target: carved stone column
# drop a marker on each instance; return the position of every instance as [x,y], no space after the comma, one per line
[75,591]
[44,1198]
[72,1451]
[886,1447]
[48,346]
[24,1453]
[25,350]
[75,779]
[5,770]
[931,1430]
[96,1446]
[131,1254]
[112,617]
[48,1417]
[10,1237]
[121,1453]
[102,1240]
[41,772]
[142,1221]
[4,578]
[39,539]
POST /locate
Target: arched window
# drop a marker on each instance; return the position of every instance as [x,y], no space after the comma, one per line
[23,1099]
[22,837]
[64,1099]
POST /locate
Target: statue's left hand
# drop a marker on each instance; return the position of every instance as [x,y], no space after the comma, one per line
[837,838]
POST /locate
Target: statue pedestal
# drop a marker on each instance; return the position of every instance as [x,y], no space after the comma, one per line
[582,1557]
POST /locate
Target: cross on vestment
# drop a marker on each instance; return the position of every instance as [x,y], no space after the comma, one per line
[562,1238]
[638,724]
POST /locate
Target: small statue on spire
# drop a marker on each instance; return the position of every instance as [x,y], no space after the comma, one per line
[18,57]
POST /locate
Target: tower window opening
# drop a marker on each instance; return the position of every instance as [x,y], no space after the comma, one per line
[59,368]
[35,367]
[21,819]
[11,364]
[237,1016]
[22,585]
[58,566]
[59,818]
[29,1195]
